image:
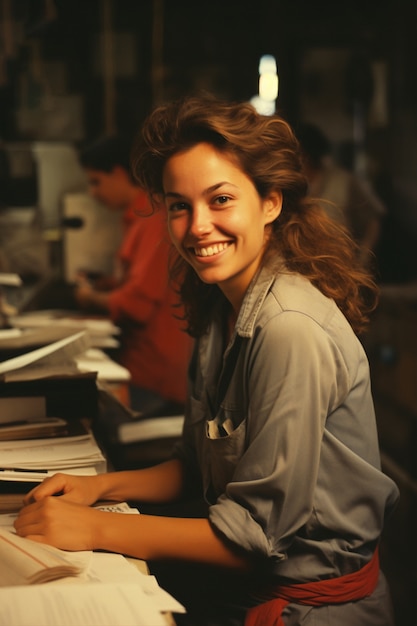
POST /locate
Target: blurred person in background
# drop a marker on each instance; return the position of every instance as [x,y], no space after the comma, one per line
[344,196]
[138,295]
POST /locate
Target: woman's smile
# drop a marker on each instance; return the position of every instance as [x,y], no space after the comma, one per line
[210,250]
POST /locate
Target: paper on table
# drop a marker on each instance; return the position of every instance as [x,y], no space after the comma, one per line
[45,361]
[7,278]
[105,567]
[117,507]
[48,454]
[94,360]
[38,319]
[28,339]
[95,604]
[24,561]
[29,476]
[102,331]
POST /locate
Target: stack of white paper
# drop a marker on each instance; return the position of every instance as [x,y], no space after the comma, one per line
[19,458]
[26,562]
[102,332]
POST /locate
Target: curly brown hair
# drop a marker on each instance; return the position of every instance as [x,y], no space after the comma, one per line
[268,152]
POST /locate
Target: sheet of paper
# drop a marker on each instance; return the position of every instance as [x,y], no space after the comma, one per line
[49,454]
[29,476]
[98,328]
[94,360]
[6,521]
[24,561]
[89,604]
[10,279]
[60,348]
[107,568]
[60,353]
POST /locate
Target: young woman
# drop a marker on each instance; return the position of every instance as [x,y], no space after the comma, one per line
[279,436]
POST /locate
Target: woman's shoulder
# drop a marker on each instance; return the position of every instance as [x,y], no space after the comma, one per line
[294,299]
[298,316]
[294,292]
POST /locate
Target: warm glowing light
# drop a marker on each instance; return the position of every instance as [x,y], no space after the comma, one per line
[264,107]
[264,101]
[268,86]
[267,64]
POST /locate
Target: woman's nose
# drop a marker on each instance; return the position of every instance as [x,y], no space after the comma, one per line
[200,222]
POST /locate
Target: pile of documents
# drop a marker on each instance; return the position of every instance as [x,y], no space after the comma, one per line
[45,403]
[46,409]
[34,459]
[102,332]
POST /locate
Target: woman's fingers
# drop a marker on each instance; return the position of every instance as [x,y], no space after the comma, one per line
[60,523]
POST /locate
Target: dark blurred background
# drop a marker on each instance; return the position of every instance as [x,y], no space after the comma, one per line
[71,70]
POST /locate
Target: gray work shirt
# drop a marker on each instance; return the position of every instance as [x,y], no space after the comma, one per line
[289,456]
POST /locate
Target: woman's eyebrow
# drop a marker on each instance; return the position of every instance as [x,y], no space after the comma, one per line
[173,194]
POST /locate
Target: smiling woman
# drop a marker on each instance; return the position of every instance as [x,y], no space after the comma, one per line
[264,156]
[279,409]
[219,228]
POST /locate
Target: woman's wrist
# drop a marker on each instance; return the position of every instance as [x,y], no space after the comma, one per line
[110,486]
[101,486]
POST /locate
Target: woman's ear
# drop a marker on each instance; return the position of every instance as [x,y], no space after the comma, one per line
[272,206]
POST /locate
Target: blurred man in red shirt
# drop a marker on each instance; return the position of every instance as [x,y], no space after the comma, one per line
[137,296]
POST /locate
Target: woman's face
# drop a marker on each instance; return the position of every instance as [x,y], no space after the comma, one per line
[216,218]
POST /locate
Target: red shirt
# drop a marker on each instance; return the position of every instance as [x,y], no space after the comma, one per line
[153,347]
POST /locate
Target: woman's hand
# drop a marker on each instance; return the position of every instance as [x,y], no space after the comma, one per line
[77,489]
[59,523]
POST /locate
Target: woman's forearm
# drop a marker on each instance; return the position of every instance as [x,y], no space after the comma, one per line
[151,537]
[158,484]
[156,537]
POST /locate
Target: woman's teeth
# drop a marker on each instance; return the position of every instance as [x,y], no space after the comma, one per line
[211,250]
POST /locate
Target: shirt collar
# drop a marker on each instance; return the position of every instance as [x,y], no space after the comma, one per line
[256,294]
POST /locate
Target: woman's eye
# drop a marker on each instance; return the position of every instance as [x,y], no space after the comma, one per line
[177,206]
[222,199]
